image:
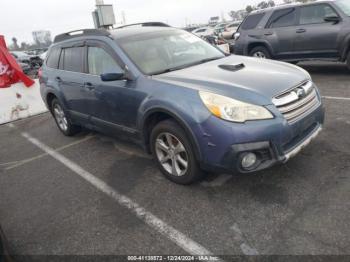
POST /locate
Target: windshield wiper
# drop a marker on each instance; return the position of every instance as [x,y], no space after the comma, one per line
[186,65]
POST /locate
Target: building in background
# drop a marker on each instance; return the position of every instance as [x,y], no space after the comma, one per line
[42,37]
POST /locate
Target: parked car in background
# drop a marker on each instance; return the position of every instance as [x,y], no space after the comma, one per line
[25,67]
[186,102]
[219,28]
[36,52]
[43,56]
[33,61]
[314,31]
[21,56]
[203,31]
[230,30]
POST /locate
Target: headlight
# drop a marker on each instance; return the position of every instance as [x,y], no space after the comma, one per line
[233,110]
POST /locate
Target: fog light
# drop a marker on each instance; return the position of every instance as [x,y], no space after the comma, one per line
[249,160]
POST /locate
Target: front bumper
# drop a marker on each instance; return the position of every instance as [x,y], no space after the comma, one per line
[272,141]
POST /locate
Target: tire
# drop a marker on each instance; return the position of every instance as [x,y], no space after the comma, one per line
[348,60]
[260,52]
[62,120]
[170,143]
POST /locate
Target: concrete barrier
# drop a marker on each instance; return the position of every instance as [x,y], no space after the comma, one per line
[19,102]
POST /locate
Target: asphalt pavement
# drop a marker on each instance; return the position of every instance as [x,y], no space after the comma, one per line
[94,195]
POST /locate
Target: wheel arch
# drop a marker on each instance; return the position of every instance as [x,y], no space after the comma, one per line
[253,45]
[157,115]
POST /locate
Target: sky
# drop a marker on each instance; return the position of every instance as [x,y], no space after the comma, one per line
[18,18]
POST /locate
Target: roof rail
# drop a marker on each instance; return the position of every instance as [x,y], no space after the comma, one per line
[81,32]
[160,24]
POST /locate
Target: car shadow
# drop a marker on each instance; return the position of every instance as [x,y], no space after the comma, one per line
[325,68]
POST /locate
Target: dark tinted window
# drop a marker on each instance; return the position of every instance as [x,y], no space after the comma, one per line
[282,18]
[73,59]
[252,21]
[52,60]
[100,62]
[315,14]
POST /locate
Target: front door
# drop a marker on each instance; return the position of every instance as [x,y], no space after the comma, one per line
[115,104]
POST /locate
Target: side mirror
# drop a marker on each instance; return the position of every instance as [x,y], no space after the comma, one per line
[108,77]
[334,19]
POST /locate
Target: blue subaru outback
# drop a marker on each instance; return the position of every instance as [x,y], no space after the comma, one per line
[190,105]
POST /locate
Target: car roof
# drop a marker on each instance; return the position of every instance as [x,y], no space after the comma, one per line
[283,6]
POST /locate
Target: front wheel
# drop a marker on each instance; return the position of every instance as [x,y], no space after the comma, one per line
[260,52]
[174,153]
[348,60]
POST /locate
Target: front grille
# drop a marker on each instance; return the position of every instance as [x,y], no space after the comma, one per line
[297,102]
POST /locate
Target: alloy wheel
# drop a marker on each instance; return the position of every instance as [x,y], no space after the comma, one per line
[171,154]
[259,54]
[60,117]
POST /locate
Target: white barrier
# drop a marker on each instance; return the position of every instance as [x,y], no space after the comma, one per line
[18,102]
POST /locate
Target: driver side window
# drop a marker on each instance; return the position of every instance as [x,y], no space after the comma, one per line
[100,62]
[315,14]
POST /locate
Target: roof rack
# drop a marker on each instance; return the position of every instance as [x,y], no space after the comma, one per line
[160,24]
[81,32]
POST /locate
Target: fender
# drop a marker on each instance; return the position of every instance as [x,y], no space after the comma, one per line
[142,123]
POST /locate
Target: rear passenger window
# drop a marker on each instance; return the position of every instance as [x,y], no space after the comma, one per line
[100,62]
[282,18]
[52,60]
[315,14]
[73,59]
[252,21]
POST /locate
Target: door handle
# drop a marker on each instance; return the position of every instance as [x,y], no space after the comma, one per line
[301,30]
[269,33]
[89,86]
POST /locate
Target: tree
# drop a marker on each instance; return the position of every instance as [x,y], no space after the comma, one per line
[249,9]
[14,43]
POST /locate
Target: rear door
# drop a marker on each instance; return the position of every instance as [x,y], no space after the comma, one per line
[70,77]
[280,32]
[317,38]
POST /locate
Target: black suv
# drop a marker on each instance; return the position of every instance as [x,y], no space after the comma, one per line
[319,30]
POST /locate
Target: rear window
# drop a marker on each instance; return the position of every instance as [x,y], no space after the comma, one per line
[282,18]
[252,21]
[72,59]
[52,60]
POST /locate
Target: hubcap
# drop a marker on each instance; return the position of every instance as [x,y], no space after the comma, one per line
[259,55]
[60,117]
[171,154]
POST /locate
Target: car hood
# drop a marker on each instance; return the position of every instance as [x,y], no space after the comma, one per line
[258,81]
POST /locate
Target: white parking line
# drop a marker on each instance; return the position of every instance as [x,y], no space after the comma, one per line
[246,249]
[337,98]
[154,222]
[15,164]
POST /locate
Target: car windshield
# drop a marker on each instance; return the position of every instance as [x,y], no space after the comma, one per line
[344,5]
[165,51]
